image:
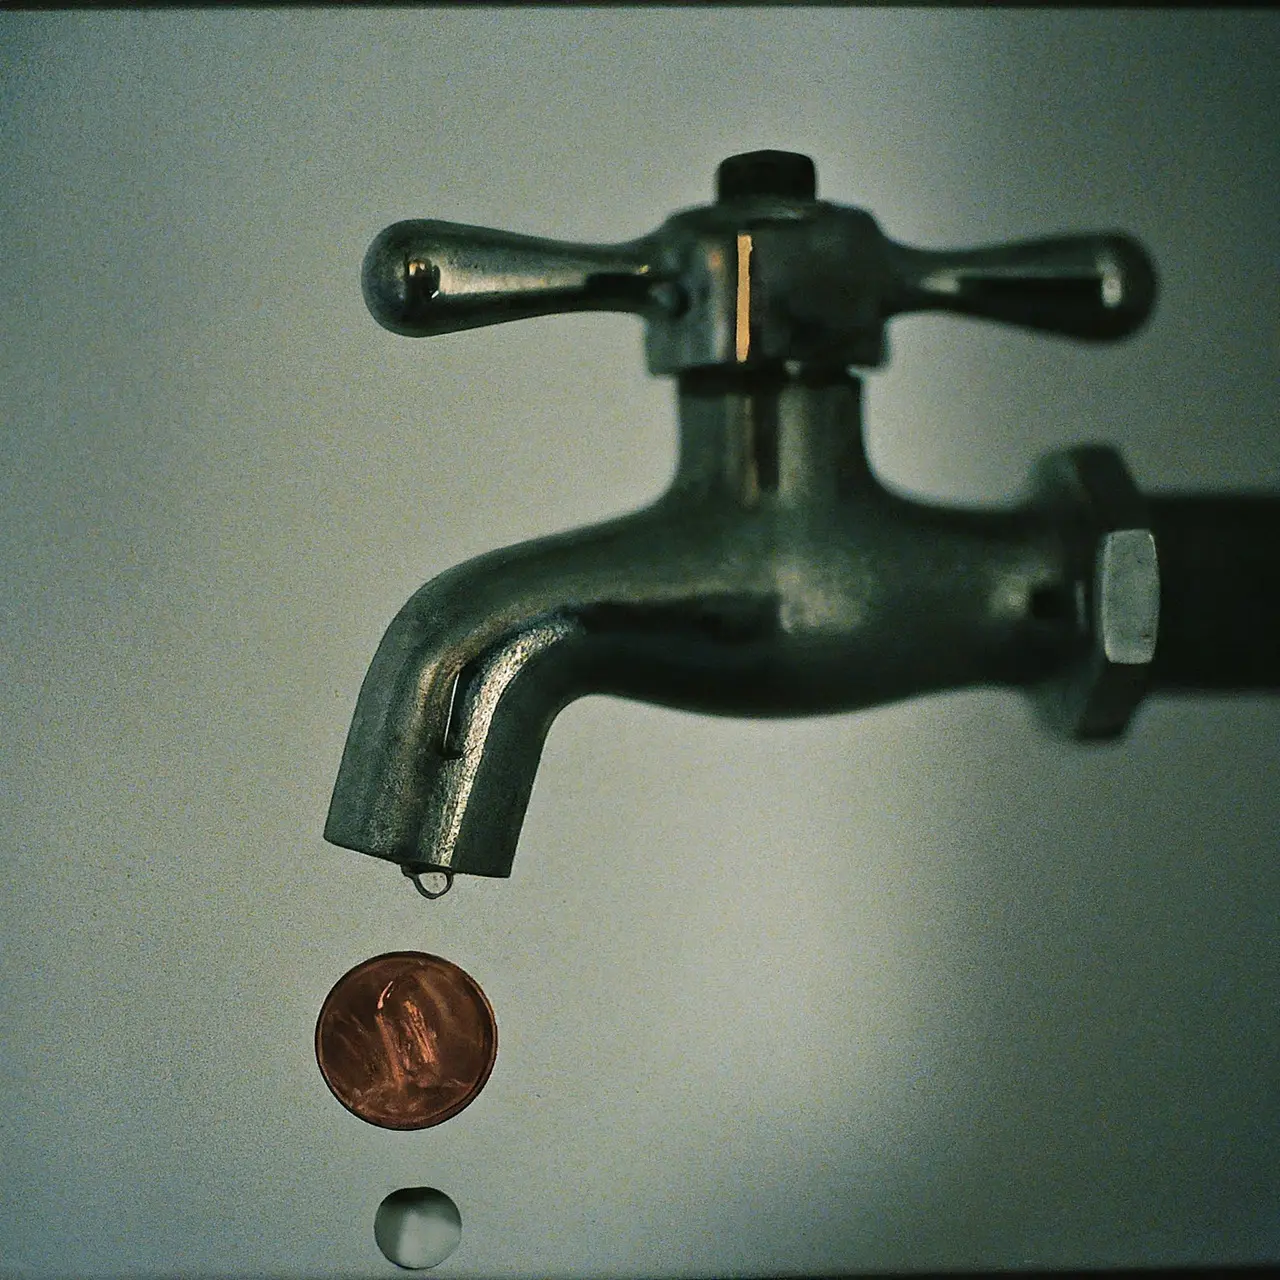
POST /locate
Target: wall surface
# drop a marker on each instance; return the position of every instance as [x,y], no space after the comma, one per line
[916,988]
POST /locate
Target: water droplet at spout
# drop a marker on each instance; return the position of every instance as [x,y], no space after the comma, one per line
[431,884]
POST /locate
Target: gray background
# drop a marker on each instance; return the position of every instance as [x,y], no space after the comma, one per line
[913,988]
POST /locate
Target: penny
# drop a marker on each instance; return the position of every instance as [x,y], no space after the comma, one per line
[406,1040]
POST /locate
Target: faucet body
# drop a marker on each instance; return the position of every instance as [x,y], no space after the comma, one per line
[776,576]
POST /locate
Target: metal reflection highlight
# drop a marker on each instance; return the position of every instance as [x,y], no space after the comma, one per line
[742,328]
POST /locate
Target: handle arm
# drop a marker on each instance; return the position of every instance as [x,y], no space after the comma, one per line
[1097,287]
[422,277]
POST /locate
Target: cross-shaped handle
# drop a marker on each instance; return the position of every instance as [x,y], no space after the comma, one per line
[768,274]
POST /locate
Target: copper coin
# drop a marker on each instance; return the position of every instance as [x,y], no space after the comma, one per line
[406,1040]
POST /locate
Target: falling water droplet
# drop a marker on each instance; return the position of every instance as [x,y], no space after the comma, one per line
[417,1227]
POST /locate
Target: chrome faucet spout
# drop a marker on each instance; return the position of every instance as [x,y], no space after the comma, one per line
[775,578]
[461,804]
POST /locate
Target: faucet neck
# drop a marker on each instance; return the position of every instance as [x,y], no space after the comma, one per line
[771,438]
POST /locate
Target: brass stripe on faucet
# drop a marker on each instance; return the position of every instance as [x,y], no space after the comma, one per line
[742,329]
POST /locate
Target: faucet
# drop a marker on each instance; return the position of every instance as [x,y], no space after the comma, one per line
[777,576]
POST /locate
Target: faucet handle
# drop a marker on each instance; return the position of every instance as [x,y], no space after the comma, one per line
[1083,286]
[766,275]
[422,277]
[1096,287]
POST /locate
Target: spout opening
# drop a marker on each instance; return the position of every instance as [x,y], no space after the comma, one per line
[447,793]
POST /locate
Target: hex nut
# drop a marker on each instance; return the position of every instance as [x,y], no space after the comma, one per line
[1114,566]
[1127,595]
